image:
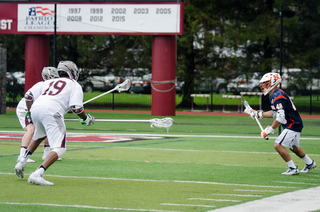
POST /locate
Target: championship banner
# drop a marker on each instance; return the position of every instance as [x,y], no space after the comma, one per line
[93,18]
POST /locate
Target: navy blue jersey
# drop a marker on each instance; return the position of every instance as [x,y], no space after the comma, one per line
[280,100]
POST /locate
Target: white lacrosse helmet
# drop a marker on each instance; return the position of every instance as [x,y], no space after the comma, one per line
[49,73]
[268,82]
[70,68]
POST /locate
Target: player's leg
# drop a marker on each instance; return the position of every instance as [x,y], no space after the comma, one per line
[299,151]
[39,136]
[29,128]
[56,134]
[283,140]
[46,150]
[27,137]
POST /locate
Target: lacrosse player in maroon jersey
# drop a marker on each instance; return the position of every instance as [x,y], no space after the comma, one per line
[24,118]
[58,96]
[286,114]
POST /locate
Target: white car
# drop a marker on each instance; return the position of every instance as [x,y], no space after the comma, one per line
[97,80]
[245,83]
[297,81]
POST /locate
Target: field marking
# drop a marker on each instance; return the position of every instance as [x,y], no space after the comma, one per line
[218,200]
[84,206]
[297,201]
[239,195]
[295,183]
[164,181]
[314,175]
[256,190]
[189,205]
[164,135]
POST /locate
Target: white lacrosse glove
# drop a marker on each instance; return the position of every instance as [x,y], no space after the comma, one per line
[254,113]
[266,132]
[89,120]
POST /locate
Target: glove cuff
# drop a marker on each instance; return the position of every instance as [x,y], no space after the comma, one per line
[260,116]
[85,121]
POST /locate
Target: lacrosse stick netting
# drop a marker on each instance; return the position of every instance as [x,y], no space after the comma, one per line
[165,122]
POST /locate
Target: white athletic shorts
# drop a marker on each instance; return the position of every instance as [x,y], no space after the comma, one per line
[49,123]
[21,114]
[288,138]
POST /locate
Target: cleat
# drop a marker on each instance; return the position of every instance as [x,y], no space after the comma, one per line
[38,179]
[19,169]
[28,160]
[291,171]
[59,159]
[307,167]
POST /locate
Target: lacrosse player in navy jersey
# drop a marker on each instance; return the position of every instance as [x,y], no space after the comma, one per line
[58,96]
[286,114]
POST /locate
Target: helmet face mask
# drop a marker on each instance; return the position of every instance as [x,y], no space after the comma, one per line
[268,82]
[69,68]
[49,73]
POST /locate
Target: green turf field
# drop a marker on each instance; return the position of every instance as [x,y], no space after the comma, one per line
[203,163]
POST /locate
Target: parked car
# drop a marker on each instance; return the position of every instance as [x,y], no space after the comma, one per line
[297,81]
[245,83]
[97,79]
[208,85]
[141,84]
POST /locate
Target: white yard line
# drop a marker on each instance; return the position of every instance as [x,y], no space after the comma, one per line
[85,206]
[239,195]
[188,205]
[166,181]
[160,135]
[217,200]
[297,201]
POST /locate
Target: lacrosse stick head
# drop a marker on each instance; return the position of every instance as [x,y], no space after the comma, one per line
[124,86]
[165,122]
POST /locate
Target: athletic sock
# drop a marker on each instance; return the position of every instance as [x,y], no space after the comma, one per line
[46,150]
[307,160]
[23,150]
[40,170]
[26,156]
[291,164]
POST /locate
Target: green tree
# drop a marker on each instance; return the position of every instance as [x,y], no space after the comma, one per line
[15,51]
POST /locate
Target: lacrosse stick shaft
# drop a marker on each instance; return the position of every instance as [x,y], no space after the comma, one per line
[246,104]
[260,126]
[120,87]
[99,96]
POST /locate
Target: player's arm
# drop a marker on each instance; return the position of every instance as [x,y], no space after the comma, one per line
[29,105]
[268,114]
[84,118]
[275,124]
[29,101]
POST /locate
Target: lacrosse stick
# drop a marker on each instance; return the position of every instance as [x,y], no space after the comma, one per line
[120,87]
[247,106]
[165,122]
